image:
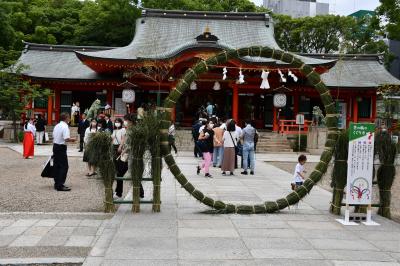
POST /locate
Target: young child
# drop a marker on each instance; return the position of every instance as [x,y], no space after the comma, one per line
[299,171]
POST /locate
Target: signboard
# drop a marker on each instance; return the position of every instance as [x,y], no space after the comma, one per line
[300,119]
[360,163]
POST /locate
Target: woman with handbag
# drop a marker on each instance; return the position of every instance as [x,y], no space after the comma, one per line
[206,139]
[92,129]
[230,139]
[120,154]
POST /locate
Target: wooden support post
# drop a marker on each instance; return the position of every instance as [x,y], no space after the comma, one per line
[295,104]
[235,102]
[57,104]
[275,126]
[355,109]
[373,107]
[50,110]
[109,99]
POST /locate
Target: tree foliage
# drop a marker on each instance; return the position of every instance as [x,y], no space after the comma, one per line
[389,11]
[16,93]
[327,34]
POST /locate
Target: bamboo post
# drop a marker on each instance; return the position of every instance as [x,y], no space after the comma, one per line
[156,174]
[136,177]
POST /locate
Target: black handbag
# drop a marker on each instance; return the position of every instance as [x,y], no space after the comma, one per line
[48,168]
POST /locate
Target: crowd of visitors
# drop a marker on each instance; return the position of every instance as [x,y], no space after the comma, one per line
[220,143]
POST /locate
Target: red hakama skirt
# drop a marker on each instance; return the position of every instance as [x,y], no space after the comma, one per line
[28,144]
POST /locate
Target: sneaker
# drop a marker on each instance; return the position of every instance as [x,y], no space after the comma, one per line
[252,172]
[208,175]
[232,173]
[198,170]
[244,173]
[223,173]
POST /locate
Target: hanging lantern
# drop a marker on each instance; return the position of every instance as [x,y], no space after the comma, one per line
[217,86]
[280,100]
[241,78]
[128,95]
[264,83]
[193,86]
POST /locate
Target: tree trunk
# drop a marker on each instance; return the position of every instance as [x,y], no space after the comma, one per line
[14,119]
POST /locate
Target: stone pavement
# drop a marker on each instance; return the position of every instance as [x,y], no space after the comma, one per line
[182,235]
[49,237]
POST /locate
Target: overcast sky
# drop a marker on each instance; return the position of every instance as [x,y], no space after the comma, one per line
[344,7]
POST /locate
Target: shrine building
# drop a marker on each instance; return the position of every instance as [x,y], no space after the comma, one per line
[167,43]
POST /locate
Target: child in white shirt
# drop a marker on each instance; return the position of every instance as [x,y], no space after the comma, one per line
[299,171]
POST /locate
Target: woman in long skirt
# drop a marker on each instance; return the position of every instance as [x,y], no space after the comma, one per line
[28,142]
[230,139]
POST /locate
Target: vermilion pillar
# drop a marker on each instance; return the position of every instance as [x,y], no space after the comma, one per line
[50,110]
[275,126]
[355,109]
[235,102]
[57,104]
[373,103]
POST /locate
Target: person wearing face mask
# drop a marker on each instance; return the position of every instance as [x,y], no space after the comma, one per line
[92,129]
[28,142]
[109,124]
[206,139]
[123,149]
[118,137]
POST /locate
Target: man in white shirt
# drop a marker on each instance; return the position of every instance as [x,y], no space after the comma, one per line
[61,135]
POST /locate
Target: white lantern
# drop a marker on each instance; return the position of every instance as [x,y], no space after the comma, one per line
[193,86]
[128,96]
[217,86]
[279,100]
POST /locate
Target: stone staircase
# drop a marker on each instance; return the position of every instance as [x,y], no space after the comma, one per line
[268,142]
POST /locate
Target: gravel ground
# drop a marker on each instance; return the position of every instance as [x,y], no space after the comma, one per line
[326,179]
[23,189]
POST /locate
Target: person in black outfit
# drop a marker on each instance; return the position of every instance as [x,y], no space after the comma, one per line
[195,134]
[61,135]
[40,125]
[83,125]
[109,124]
[206,139]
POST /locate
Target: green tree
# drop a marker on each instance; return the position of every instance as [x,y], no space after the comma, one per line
[389,12]
[203,5]
[107,22]
[16,92]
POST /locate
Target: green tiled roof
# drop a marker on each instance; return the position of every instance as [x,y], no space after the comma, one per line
[164,34]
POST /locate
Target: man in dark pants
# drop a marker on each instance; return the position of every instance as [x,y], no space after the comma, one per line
[61,136]
[83,125]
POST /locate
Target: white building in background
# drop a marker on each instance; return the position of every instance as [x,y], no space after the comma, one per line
[297,8]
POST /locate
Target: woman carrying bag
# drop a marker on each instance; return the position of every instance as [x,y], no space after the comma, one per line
[120,155]
[230,139]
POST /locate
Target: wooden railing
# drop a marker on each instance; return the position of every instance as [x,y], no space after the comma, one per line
[290,127]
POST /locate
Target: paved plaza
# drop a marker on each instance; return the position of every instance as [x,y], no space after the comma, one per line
[182,235]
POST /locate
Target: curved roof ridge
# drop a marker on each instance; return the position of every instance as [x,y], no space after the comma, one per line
[147,12]
[63,47]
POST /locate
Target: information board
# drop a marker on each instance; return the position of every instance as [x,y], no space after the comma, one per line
[360,163]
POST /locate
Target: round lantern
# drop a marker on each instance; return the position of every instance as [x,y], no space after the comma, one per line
[280,100]
[128,96]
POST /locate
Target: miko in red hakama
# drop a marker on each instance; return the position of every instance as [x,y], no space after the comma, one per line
[28,144]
